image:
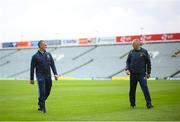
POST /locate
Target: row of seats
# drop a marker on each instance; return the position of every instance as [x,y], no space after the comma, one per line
[91,61]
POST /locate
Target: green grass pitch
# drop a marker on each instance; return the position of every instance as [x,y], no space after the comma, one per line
[89,100]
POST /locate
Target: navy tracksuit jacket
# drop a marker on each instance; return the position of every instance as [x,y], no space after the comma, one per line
[139,64]
[42,62]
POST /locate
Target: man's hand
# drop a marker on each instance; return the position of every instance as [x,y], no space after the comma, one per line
[56,77]
[148,76]
[31,81]
[128,72]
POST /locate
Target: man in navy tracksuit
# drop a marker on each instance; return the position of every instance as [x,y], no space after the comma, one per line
[42,61]
[138,66]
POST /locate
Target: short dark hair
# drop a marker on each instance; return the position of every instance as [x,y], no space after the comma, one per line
[39,43]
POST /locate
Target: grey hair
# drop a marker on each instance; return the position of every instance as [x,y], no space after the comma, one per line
[137,42]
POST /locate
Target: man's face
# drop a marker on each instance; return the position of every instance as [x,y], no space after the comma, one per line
[43,46]
[136,46]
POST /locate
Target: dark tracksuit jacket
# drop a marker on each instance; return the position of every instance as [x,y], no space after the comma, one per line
[43,63]
[139,64]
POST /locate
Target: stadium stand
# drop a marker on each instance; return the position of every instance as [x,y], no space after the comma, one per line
[93,61]
[176,53]
[176,74]
[6,53]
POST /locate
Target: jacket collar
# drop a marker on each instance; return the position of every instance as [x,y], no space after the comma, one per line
[41,52]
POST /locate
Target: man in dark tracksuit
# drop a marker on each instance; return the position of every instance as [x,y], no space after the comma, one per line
[42,61]
[138,66]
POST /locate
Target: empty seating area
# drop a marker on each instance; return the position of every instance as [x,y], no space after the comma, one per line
[96,61]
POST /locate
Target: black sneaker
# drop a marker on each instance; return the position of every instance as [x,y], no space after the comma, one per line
[39,109]
[133,107]
[44,110]
[149,106]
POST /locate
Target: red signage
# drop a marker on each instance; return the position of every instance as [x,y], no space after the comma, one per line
[150,37]
[86,41]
